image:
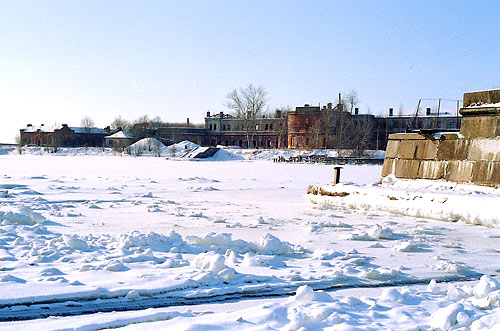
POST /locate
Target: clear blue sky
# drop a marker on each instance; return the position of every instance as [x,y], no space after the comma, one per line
[63,60]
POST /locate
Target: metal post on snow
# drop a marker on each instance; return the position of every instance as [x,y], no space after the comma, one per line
[336,175]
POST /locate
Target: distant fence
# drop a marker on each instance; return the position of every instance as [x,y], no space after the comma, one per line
[329,160]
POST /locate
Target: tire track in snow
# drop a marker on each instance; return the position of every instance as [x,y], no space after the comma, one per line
[92,306]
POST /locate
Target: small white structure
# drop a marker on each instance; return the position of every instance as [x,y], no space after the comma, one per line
[120,139]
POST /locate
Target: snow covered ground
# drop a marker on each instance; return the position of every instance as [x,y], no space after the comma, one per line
[102,241]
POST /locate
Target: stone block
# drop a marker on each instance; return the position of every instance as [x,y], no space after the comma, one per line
[497,128]
[451,135]
[407,149]
[480,126]
[481,149]
[481,172]
[488,96]
[459,171]
[432,169]
[452,149]
[392,149]
[488,126]
[427,149]
[470,126]
[388,167]
[406,136]
[406,168]
[494,176]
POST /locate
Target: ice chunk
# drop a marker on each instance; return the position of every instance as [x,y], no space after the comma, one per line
[446,317]
[407,246]
[74,242]
[379,232]
[433,288]
[115,265]
[326,254]
[485,286]
[391,294]
[269,244]
[304,293]
[210,261]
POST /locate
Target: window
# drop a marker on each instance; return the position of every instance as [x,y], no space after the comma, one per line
[267,127]
[256,127]
[271,126]
[215,127]
[307,141]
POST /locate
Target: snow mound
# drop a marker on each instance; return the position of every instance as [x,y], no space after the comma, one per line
[146,146]
[223,155]
[22,215]
[183,145]
[220,155]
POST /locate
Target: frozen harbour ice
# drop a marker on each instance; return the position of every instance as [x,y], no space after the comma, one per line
[99,241]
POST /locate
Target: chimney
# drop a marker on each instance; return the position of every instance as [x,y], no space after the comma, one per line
[278,114]
[340,102]
[329,105]
[208,114]
[391,111]
[221,114]
[187,122]
[29,125]
[428,111]
[356,111]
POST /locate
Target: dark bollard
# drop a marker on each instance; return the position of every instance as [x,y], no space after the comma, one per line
[336,175]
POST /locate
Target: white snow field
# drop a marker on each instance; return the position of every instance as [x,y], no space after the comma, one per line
[99,241]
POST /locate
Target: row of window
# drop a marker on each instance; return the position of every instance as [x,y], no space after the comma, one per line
[422,124]
[227,127]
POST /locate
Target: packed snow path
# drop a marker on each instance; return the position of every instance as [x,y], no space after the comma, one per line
[81,230]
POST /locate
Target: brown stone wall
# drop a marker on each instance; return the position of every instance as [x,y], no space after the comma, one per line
[471,156]
[452,157]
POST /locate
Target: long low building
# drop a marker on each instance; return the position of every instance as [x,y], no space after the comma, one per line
[63,135]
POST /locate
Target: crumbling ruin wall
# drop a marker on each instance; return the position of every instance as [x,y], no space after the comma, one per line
[471,156]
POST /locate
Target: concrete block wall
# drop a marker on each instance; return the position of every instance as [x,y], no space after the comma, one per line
[471,156]
[450,157]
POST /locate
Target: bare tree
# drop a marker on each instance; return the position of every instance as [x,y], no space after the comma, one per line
[142,119]
[156,120]
[352,99]
[87,122]
[247,104]
[19,143]
[120,123]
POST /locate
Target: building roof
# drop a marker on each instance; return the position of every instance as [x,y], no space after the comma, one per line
[120,135]
[52,128]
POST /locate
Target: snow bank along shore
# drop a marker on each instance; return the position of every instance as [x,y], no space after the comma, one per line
[445,201]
